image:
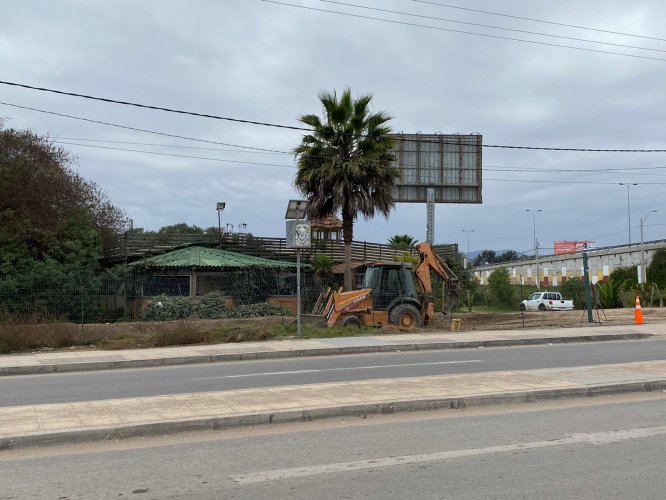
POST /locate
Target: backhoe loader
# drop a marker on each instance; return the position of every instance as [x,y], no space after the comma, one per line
[394,293]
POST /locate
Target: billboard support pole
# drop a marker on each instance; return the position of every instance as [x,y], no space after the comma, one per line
[430,215]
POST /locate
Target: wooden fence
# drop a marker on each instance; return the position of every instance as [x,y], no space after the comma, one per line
[129,247]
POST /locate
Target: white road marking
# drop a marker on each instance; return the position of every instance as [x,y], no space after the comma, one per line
[315,370]
[597,438]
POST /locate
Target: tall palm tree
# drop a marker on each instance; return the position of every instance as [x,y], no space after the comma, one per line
[344,164]
[401,241]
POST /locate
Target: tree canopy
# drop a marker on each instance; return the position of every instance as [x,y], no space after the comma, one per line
[344,164]
[401,241]
[47,210]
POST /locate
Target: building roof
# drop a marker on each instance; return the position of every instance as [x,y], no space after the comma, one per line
[330,222]
[197,256]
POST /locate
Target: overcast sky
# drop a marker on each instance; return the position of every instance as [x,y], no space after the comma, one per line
[264,62]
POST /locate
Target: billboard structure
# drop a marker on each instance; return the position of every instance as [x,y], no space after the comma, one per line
[437,168]
[560,247]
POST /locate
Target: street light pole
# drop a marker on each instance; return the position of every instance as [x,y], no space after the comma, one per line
[468,231]
[643,273]
[220,208]
[628,184]
[536,246]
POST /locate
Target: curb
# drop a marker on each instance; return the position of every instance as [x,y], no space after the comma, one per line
[83,435]
[245,356]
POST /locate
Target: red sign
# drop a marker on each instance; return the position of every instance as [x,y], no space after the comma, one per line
[572,246]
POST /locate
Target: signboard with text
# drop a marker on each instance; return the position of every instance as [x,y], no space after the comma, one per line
[572,246]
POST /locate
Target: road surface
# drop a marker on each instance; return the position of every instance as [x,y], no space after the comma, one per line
[87,386]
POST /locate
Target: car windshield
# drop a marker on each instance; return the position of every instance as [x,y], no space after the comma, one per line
[534,296]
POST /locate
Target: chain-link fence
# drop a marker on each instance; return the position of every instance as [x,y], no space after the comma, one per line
[123,296]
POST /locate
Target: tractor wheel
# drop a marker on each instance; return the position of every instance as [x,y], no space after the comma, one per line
[351,322]
[406,316]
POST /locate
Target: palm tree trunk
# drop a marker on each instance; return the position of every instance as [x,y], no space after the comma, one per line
[347,235]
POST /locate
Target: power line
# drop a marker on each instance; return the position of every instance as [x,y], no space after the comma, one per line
[127,127]
[146,106]
[486,35]
[538,20]
[434,18]
[169,145]
[175,155]
[496,146]
[544,181]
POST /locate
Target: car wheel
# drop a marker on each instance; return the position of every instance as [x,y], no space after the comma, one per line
[351,322]
[542,307]
[522,307]
[406,316]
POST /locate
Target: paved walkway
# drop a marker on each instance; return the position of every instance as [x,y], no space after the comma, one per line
[116,418]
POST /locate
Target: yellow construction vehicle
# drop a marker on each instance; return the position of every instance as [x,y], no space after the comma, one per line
[389,295]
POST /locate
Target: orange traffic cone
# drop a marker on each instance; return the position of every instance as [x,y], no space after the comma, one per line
[638,314]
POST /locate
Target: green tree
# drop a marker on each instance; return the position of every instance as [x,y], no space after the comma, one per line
[508,256]
[626,277]
[181,228]
[485,257]
[401,242]
[43,201]
[574,289]
[52,222]
[501,291]
[344,164]
[656,271]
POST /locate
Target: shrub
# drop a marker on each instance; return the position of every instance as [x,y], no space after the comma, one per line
[500,288]
[165,308]
[574,288]
[608,293]
[211,306]
[656,271]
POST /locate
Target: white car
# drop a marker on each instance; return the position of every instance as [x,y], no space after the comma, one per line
[546,301]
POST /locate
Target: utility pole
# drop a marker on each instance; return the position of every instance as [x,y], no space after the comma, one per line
[468,231]
[536,246]
[628,184]
[643,276]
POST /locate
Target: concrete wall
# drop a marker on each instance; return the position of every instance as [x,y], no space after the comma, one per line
[555,269]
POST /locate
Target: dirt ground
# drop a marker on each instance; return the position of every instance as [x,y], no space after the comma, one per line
[549,319]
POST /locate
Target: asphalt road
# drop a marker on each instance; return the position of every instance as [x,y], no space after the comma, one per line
[590,449]
[86,386]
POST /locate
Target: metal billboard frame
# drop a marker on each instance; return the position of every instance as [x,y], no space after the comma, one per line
[448,164]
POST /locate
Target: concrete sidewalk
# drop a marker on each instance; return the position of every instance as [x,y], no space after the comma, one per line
[81,360]
[32,425]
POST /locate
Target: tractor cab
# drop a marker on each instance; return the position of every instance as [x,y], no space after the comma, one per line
[390,283]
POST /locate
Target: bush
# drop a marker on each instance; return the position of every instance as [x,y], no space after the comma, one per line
[165,308]
[212,306]
[574,288]
[656,271]
[608,293]
[501,292]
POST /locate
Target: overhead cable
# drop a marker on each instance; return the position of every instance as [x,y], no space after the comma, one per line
[433,18]
[496,146]
[473,33]
[449,6]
